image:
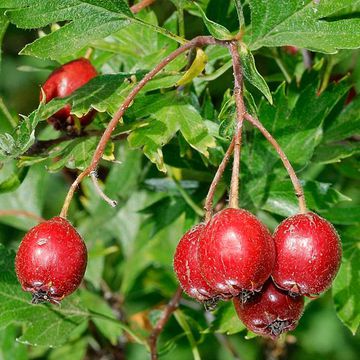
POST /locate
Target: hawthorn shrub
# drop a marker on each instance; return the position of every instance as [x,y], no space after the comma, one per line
[127,127]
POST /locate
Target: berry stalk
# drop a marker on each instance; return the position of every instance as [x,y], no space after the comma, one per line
[210,195]
[240,112]
[299,192]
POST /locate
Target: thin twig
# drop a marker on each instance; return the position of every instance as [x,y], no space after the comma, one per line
[23,213]
[240,112]
[158,328]
[198,41]
[98,189]
[299,192]
[210,195]
[141,5]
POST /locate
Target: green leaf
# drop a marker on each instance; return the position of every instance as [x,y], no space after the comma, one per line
[14,181]
[88,20]
[29,196]
[226,320]
[108,325]
[251,73]
[9,347]
[216,30]
[279,197]
[347,124]
[3,26]
[335,152]
[77,155]
[24,137]
[170,114]
[183,322]
[305,24]
[344,215]
[346,287]
[103,93]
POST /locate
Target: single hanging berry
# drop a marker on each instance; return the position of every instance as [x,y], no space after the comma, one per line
[270,312]
[308,254]
[187,268]
[61,83]
[51,260]
[236,252]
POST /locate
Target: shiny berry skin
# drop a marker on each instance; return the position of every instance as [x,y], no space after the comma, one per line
[270,312]
[308,252]
[51,260]
[187,268]
[61,83]
[236,252]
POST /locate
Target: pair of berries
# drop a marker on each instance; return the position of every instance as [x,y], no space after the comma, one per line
[234,255]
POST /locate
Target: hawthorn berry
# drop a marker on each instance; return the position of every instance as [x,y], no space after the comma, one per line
[51,260]
[236,252]
[308,251]
[270,312]
[187,268]
[61,83]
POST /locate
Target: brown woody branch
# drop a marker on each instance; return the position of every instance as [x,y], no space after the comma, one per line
[169,309]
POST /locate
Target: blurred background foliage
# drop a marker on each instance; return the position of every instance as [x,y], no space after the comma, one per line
[130,276]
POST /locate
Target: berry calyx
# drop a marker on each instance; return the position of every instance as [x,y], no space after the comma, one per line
[308,251]
[236,252]
[51,260]
[270,312]
[61,83]
[187,268]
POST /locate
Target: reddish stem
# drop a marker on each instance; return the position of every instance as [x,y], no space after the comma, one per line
[198,41]
[299,192]
[240,112]
[23,213]
[210,195]
[158,328]
[141,5]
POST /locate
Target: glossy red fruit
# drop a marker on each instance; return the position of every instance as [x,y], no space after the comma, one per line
[187,268]
[236,252]
[308,254]
[61,83]
[51,260]
[270,312]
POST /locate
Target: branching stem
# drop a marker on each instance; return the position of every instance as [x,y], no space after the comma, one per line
[299,192]
[198,41]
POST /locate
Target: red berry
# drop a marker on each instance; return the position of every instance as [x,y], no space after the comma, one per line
[291,50]
[51,260]
[61,83]
[270,312]
[187,268]
[308,252]
[236,252]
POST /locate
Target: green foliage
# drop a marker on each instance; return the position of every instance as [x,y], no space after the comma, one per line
[161,160]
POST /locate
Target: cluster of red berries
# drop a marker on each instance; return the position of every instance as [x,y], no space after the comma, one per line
[234,256]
